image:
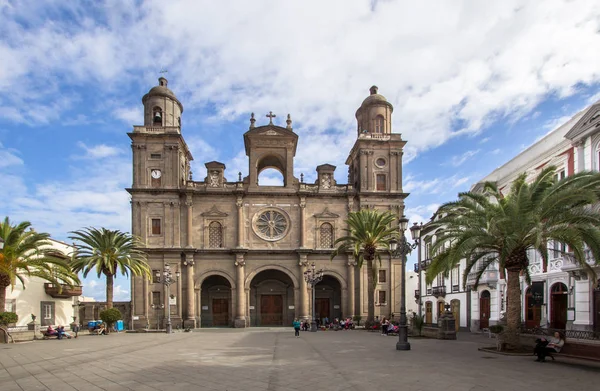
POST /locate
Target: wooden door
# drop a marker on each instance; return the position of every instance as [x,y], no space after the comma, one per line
[322,309]
[428,312]
[560,302]
[456,312]
[271,310]
[220,312]
[533,311]
[597,309]
[484,310]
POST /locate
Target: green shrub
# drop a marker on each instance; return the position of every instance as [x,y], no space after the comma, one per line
[496,329]
[110,316]
[7,318]
[418,321]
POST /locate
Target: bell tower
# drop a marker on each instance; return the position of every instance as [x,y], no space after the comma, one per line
[375,161]
[161,158]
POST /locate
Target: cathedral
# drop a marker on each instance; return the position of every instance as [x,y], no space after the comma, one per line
[240,249]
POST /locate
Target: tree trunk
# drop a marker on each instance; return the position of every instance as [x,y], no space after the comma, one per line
[3,298]
[109,291]
[513,309]
[370,292]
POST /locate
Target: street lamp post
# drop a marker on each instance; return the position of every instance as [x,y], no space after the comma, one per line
[168,280]
[417,240]
[401,249]
[313,277]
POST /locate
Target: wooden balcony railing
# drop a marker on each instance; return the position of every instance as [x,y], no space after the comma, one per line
[439,291]
[66,292]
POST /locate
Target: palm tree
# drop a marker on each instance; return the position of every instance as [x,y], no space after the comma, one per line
[26,254]
[490,227]
[108,252]
[368,235]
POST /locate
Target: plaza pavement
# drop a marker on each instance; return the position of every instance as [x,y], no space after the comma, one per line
[273,359]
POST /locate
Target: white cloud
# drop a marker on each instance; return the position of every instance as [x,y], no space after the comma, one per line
[8,157]
[99,151]
[470,64]
[460,159]
[130,115]
[441,186]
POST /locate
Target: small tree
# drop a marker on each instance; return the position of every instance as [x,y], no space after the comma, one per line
[110,317]
[417,321]
[7,318]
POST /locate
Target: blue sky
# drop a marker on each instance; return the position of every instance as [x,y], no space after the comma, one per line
[472,84]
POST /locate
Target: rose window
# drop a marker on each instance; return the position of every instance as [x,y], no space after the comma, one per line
[271,225]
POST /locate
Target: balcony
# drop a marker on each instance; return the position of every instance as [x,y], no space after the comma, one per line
[416,265]
[65,293]
[439,291]
[425,264]
[489,277]
[416,294]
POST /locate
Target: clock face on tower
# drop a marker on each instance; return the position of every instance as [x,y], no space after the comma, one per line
[156,174]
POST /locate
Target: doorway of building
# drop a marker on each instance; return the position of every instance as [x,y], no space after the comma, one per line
[484,310]
[271,299]
[215,298]
[559,304]
[533,310]
[220,312]
[328,299]
[455,305]
[271,310]
[428,312]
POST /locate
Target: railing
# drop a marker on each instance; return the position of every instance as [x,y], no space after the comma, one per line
[63,293]
[489,277]
[439,291]
[156,129]
[425,263]
[18,329]
[569,334]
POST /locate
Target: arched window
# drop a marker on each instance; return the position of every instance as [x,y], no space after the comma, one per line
[157,116]
[379,123]
[326,235]
[215,235]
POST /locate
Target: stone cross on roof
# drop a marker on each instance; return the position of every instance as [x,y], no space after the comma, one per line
[270,116]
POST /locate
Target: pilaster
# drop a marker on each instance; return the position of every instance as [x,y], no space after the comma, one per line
[351,304]
[303,312]
[190,318]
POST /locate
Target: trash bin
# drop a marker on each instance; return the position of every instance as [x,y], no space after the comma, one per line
[119,325]
[92,324]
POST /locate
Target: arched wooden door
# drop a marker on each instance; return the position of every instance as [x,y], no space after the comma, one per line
[533,310]
[428,312]
[560,302]
[455,304]
[484,310]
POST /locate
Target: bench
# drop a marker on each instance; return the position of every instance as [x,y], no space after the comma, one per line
[579,351]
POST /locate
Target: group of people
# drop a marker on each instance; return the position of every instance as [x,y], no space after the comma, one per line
[387,326]
[58,332]
[337,324]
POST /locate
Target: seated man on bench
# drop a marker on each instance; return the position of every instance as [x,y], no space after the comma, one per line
[545,347]
[50,332]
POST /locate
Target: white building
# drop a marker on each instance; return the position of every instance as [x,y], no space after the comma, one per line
[42,299]
[561,295]
[449,290]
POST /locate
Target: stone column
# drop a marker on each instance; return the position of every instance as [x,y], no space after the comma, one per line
[580,155]
[189,205]
[240,220]
[190,317]
[302,222]
[303,312]
[240,308]
[351,305]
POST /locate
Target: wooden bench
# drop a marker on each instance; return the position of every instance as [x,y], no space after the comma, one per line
[578,350]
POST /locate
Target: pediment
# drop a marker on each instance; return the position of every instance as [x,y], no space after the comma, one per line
[270,132]
[214,212]
[326,214]
[590,120]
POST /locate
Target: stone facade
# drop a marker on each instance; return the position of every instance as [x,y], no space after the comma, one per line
[242,248]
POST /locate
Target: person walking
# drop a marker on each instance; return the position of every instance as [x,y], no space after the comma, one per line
[296,325]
